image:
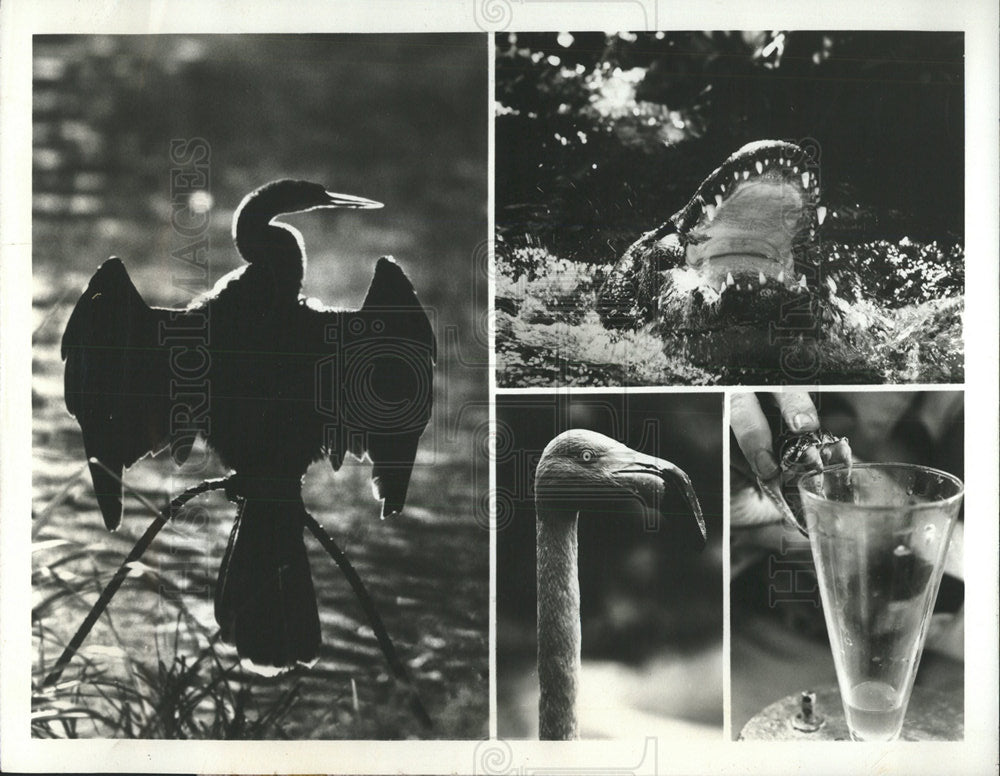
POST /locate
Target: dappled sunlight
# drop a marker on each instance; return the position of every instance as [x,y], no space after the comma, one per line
[103,186]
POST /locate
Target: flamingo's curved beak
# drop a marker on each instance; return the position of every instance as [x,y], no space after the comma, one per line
[649,478]
[350,201]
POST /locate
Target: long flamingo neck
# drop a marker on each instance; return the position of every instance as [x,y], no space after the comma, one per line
[558,624]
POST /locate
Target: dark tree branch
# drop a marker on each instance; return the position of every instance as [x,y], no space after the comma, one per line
[137,552]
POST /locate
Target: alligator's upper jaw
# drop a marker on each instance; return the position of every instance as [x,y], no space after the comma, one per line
[752,215]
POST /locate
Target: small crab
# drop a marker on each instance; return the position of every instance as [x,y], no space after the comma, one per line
[801,454]
[811,451]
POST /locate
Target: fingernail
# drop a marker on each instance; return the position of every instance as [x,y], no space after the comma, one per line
[803,420]
[766,466]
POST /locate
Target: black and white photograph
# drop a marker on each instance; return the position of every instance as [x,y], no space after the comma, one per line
[296,432]
[847,586]
[702,208]
[500,387]
[609,566]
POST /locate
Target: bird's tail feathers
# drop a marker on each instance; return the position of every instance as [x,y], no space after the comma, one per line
[265,603]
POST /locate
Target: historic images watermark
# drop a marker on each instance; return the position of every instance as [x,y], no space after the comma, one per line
[186,334]
[797,329]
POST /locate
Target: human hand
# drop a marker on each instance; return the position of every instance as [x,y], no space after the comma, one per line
[756,457]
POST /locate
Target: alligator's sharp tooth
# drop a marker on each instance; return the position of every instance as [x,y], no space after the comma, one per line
[812,233]
[805,180]
[746,174]
[710,212]
[830,282]
[781,276]
[821,214]
[802,282]
[736,175]
[722,288]
[762,278]
[718,200]
[795,169]
[760,167]
[729,279]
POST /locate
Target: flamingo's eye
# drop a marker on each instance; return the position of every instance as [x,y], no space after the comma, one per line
[587,456]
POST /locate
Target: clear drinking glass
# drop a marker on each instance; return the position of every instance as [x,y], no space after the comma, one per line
[879,535]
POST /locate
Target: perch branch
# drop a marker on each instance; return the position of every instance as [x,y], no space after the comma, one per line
[137,552]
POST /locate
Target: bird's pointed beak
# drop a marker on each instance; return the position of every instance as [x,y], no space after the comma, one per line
[651,478]
[350,201]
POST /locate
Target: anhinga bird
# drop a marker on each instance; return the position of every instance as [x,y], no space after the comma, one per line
[582,472]
[286,385]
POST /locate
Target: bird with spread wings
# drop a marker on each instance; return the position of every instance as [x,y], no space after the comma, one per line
[286,383]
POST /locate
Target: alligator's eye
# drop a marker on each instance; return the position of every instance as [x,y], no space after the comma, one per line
[587,456]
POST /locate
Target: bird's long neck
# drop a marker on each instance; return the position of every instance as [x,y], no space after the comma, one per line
[273,245]
[558,624]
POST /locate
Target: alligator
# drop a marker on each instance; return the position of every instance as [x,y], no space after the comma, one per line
[738,288]
[736,277]
[753,217]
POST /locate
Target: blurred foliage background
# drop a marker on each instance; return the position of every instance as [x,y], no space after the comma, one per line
[400,119]
[601,136]
[397,118]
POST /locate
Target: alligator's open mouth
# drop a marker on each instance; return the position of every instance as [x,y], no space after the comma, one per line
[750,225]
[755,215]
[750,228]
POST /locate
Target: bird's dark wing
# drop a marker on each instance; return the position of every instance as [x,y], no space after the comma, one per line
[117,380]
[385,355]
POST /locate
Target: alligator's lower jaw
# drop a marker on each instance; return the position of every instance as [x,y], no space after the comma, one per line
[753,325]
[745,279]
[749,268]
[689,302]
